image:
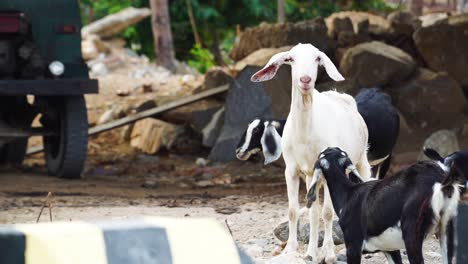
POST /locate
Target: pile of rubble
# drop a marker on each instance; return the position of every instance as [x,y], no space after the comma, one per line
[418,61]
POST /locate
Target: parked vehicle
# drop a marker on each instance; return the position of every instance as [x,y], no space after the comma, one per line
[43,75]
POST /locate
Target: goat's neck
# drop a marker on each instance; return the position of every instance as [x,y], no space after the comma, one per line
[301,106]
[340,188]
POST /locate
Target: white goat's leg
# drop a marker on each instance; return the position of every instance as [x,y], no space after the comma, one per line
[364,168]
[314,217]
[328,247]
[292,184]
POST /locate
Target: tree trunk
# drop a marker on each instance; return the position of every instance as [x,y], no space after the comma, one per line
[218,57]
[281,14]
[416,7]
[161,25]
[193,23]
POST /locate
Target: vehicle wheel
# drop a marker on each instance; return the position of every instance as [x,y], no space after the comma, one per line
[65,153]
[14,151]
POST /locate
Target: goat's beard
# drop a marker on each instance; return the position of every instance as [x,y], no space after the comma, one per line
[306,99]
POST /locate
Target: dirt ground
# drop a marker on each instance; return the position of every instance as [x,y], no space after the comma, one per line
[247,197]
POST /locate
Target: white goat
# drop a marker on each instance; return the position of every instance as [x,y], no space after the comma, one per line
[316,121]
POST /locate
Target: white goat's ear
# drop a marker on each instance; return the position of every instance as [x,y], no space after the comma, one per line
[330,68]
[270,69]
[271,144]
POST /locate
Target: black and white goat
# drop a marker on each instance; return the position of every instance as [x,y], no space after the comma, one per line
[262,135]
[397,212]
[375,107]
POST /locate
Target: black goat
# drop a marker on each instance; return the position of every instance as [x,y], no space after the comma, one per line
[383,124]
[375,106]
[396,212]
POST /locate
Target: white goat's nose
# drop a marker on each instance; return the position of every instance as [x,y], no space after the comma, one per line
[305,79]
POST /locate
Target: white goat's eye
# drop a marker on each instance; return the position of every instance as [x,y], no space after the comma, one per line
[317,59]
[289,59]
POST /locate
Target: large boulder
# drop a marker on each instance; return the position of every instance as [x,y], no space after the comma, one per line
[403,22]
[443,141]
[429,100]
[444,46]
[375,22]
[259,57]
[376,64]
[215,77]
[283,34]
[245,101]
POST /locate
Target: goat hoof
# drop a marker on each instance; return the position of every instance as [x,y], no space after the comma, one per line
[291,247]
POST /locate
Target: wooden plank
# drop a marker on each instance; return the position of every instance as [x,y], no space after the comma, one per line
[148,113]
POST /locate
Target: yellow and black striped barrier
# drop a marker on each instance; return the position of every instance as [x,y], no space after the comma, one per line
[142,241]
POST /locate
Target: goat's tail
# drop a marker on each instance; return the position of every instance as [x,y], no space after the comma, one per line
[433,154]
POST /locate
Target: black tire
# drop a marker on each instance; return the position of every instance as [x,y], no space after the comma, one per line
[14,152]
[65,153]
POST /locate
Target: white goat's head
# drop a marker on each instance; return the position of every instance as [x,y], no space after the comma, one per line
[304,60]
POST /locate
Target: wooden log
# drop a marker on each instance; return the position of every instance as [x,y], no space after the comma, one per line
[148,113]
[150,135]
[115,23]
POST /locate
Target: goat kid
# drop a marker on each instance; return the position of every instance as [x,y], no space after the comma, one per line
[315,121]
[262,135]
[373,220]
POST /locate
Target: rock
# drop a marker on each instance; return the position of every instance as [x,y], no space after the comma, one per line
[341,25]
[282,233]
[245,101]
[150,135]
[259,57]
[376,64]
[113,113]
[90,47]
[341,256]
[356,18]
[146,105]
[201,162]
[114,23]
[216,77]
[185,114]
[444,47]
[429,100]
[431,19]
[99,69]
[283,34]
[443,141]
[150,184]
[209,123]
[403,22]
[204,183]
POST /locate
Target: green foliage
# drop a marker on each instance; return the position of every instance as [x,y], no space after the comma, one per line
[216,21]
[201,59]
